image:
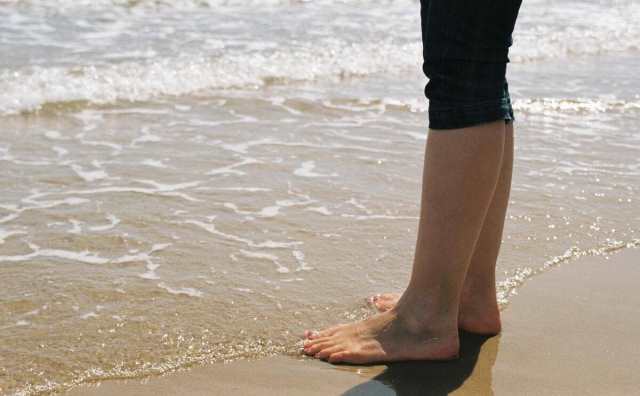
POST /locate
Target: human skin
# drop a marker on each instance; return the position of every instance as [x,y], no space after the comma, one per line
[479,311]
[463,171]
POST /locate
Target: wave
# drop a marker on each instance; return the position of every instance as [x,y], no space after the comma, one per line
[35,88]
[182,3]
[528,105]
[582,106]
[254,347]
[26,91]
[62,5]
[38,88]
[509,287]
[546,31]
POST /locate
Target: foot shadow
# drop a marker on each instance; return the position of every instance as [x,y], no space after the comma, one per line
[437,378]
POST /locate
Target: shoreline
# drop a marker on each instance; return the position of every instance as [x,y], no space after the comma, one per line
[571,331]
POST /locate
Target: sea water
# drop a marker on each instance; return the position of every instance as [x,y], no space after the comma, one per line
[195,181]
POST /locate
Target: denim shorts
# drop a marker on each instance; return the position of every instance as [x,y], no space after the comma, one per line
[465,49]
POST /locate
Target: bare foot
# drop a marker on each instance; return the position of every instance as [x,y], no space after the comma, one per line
[385,301]
[385,337]
[477,315]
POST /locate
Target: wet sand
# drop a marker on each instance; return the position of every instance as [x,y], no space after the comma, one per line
[571,330]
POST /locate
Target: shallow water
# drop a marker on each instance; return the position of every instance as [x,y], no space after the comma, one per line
[196,181]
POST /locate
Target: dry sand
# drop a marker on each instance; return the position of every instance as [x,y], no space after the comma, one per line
[570,331]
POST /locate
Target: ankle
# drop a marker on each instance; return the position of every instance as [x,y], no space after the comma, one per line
[479,295]
[480,314]
[420,314]
[487,324]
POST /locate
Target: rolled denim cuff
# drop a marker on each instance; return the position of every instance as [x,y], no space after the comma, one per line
[445,116]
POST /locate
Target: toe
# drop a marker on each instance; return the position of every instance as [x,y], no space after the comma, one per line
[314,341]
[339,357]
[325,353]
[385,302]
[313,349]
[379,304]
[330,331]
[324,333]
[373,299]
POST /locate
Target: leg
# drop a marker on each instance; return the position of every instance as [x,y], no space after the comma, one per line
[479,311]
[461,172]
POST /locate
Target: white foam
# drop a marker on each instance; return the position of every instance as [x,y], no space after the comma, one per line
[539,105]
[306,170]
[85,256]
[89,176]
[151,271]
[149,53]
[244,146]
[266,256]
[182,107]
[169,190]
[242,189]
[76,227]
[359,205]
[261,255]
[211,228]
[575,105]
[510,286]
[145,257]
[60,151]
[575,28]
[169,187]
[292,280]
[358,138]
[320,209]
[113,221]
[153,163]
[53,135]
[36,205]
[116,148]
[416,135]
[174,5]
[5,155]
[4,234]
[230,169]
[116,74]
[146,137]
[302,264]
[269,211]
[28,90]
[279,102]
[89,315]
[379,217]
[186,291]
